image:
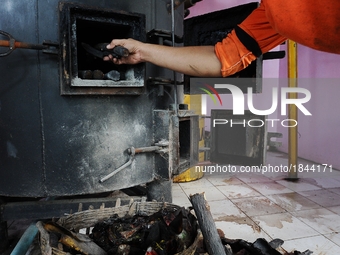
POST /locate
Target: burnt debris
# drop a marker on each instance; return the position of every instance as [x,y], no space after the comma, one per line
[165,232]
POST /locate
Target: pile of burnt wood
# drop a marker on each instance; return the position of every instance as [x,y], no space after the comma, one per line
[214,241]
[168,231]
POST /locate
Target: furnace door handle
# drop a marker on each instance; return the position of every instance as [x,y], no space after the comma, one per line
[117,170]
[12,44]
[133,151]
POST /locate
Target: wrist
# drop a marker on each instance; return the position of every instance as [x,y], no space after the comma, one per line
[144,52]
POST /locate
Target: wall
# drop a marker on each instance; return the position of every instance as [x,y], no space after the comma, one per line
[206,6]
[319,135]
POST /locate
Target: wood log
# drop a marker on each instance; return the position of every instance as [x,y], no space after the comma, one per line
[45,246]
[207,225]
[75,241]
[87,248]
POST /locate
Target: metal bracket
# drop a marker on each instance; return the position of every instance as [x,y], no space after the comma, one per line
[274,55]
[163,81]
[52,47]
[11,45]
[155,34]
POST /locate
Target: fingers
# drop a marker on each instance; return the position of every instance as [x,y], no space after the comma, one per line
[131,45]
[114,60]
[111,45]
[108,58]
[115,42]
[117,61]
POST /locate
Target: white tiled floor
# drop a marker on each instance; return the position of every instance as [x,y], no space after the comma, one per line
[305,214]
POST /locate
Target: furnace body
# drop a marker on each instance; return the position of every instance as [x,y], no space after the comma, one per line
[61,133]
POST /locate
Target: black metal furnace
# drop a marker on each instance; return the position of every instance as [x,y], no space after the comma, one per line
[65,133]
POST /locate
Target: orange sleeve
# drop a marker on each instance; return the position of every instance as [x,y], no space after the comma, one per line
[234,56]
[315,24]
[258,26]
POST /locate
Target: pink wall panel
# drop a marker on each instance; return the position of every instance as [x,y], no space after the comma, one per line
[319,135]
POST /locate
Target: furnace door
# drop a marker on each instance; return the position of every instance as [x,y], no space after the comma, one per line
[237,139]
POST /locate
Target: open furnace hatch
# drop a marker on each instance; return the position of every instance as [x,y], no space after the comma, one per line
[81,72]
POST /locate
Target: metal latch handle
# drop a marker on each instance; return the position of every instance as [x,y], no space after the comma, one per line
[159,147]
[46,47]
[118,169]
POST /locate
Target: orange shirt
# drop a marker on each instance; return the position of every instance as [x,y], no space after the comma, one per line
[258,27]
[315,24]
[311,23]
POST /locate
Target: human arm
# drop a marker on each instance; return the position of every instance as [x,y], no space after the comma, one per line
[200,61]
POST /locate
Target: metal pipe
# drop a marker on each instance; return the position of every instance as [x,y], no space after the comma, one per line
[147,149]
[117,170]
[173,33]
[132,151]
[26,240]
[24,45]
[292,111]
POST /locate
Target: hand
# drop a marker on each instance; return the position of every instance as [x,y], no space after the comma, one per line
[134,48]
[191,60]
